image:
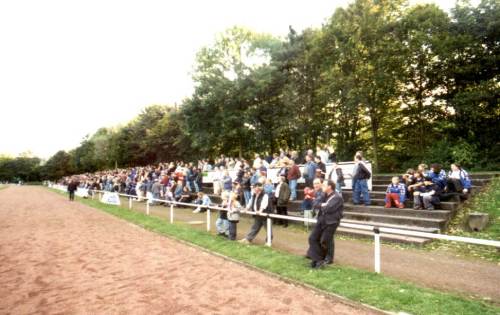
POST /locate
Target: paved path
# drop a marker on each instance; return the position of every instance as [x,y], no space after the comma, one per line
[61,257]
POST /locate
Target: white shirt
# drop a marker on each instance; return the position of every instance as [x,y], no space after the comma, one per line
[277,192]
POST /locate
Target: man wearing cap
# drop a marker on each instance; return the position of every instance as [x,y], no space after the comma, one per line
[259,203]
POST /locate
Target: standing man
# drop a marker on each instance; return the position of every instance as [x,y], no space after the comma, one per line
[258,203]
[309,171]
[282,195]
[327,222]
[72,187]
[360,177]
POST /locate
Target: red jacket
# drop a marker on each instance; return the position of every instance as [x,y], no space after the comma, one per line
[293,172]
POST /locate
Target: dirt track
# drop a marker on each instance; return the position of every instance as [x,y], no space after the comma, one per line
[62,257]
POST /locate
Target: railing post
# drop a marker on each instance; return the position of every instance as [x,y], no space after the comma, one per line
[269,232]
[171,213]
[208,220]
[130,202]
[100,196]
[147,206]
[376,234]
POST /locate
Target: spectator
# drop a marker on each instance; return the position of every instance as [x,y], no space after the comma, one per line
[261,205]
[332,158]
[427,197]
[422,168]
[222,224]
[360,175]
[309,171]
[318,195]
[204,201]
[233,215]
[337,176]
[156,190]
[247,187]
[458,180]
[329,216]
[227,182]
[282,196]
[293,176]
[307,203]
[395,193]
[321,167]
[438,176]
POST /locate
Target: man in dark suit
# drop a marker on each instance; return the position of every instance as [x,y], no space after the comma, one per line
[328,220]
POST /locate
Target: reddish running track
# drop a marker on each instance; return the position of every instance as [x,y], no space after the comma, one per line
[67,258]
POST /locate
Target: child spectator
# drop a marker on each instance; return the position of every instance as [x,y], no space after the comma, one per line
[307,203]
[227,182]
[427,196]
[292,176]
[202,200]
[438,175]
[395,193]
[458,180]
[337,176]
[222,224]
[233,215]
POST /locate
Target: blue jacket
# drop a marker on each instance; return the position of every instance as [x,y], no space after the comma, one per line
[310,170]
[228,183]
[439,179]
[399,189]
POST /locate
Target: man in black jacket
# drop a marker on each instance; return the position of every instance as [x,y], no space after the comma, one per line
[72,187]
[327,222]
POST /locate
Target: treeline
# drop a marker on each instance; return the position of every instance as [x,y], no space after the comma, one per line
[404,84]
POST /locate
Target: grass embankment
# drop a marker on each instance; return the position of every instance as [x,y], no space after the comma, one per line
[358,285]
[487,201]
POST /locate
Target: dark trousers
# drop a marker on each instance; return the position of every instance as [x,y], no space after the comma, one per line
[455,185]
[321,244]
[282,211]
[232,230]
[72,195]
[257,225]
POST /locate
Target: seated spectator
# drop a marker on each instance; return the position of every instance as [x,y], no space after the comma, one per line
[202,200]
[438,176]
[422,168]
[458,180]
[417,181]
[395,194]
[427,196]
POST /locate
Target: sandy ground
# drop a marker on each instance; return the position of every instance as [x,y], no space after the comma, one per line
[58,257]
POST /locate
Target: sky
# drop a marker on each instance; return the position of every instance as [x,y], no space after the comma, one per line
[68,67]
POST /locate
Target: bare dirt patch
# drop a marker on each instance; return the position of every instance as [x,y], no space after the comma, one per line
[62,257]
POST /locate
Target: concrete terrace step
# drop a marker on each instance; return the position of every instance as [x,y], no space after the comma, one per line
[374,218]
[445,205]
[387,178]
[475,182]
[394,226]
[435,214]
[383,188]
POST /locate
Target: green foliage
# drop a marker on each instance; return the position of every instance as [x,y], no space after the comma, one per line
[23,168]
[359,285]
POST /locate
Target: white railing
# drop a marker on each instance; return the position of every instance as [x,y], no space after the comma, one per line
[372,228]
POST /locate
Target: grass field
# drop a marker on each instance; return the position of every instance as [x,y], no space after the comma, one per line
[380,291]
[487,201]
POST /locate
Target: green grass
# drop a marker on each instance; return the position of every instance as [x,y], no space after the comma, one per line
[380,291]
[487,201]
